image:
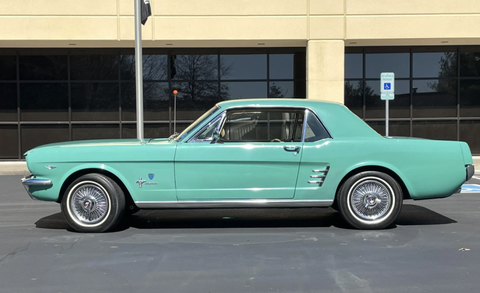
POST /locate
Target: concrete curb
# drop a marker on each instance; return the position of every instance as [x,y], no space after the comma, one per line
[20,167]
[14,168]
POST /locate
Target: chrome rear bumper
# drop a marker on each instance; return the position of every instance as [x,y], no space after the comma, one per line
[470,171]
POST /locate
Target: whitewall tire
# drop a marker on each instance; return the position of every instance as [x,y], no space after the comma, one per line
[370,200]
[93,203]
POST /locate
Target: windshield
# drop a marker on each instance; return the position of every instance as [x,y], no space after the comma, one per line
[197,122]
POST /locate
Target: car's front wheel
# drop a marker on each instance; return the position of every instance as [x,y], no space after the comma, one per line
[370,200]
[93,203]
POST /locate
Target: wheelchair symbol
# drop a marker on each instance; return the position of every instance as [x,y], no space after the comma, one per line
[387,86]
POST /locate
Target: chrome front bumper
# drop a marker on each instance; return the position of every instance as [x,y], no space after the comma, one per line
[30,180]
[470,171]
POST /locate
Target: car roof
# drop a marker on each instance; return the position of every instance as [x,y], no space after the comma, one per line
[338,119]
[274,102]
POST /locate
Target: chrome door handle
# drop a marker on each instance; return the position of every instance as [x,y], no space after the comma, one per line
[290,148]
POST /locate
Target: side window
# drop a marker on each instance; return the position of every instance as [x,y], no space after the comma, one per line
[263,125]
[207,132]
[314,129]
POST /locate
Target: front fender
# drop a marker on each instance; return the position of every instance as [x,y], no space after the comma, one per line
[66,178]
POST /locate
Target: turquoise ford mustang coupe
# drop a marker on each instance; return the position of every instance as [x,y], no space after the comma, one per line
[250,153]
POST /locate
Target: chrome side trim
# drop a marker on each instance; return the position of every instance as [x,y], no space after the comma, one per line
[321,177]
[247,203]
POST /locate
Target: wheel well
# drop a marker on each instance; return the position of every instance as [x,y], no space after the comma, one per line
[406,194]
[74,176]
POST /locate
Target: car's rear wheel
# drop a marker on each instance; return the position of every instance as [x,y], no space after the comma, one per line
[370,200]
[93,203]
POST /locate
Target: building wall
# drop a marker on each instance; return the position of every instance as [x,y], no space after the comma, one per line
[323,26]
[235,23]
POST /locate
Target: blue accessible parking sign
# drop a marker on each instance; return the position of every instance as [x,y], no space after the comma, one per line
[470,188]
[387,85]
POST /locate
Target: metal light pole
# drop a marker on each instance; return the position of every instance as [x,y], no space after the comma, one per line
[139,69]
[175,92]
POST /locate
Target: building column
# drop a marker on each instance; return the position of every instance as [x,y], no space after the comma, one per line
[325,70]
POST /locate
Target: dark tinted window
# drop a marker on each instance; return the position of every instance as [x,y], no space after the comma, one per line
[8,67]
[194,98]
[281,89]
[435,64]
[470,98]
[8,102]
[446,130]
[437,90]
[35,135]
[154,67]
[469,134]
[244,90]
[281,66]
[353,65]
[395,128]
[9,145]
[44,101]
[94,67]
[95,131]
[95,101]
[43,67]
[434,98]
[155,101]
[194,67]
[376,63]
[243,66]
[470,61]
[77,88]
[354,96]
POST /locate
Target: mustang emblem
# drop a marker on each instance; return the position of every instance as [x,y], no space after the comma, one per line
[140,182]
[150,176]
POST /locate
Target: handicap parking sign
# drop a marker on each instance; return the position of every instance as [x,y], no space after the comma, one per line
[387,85]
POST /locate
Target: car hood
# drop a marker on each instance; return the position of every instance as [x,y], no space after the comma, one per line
[101,151]
[98,143]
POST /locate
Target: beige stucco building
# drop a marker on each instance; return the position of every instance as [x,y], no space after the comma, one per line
[327,30]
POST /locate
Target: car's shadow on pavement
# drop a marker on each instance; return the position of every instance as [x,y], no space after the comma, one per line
[249,218]
[418,215]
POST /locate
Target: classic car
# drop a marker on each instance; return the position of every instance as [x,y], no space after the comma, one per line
[250,153]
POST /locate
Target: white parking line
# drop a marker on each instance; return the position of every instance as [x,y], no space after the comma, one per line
[476,176]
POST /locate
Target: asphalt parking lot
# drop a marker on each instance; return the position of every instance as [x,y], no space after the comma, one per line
[434,246]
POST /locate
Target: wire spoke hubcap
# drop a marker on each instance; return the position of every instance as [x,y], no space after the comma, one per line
[89,204]
[371,199]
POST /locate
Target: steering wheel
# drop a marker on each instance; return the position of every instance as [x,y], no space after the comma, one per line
[276,140]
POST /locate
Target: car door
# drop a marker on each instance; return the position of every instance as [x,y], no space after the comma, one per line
[256,155]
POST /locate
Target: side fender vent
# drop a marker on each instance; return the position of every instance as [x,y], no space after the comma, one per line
[319,176]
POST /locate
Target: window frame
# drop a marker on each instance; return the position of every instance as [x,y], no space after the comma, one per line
[224,114]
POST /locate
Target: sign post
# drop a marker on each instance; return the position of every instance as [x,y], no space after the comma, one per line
[142,12]
[387,93]
[138,69]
